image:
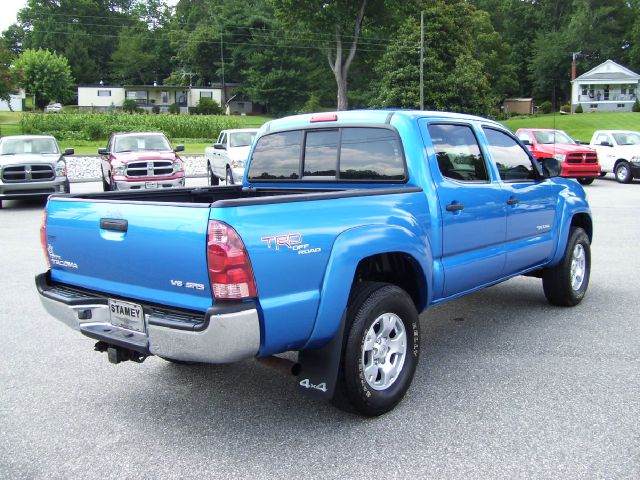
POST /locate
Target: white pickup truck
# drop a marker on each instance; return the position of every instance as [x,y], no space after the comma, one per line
[618,153]
[227,157]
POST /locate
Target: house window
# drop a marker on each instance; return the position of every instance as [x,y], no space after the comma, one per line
[165,97]
[593,105]
[621,105]
[585,90]
[206,95]
[140,96]
[623,90]
[104,93]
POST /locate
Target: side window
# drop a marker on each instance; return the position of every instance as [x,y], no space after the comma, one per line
[370,154]
[321,153]
[458,154]
[602,138]
[514,164]
[223,139]
[277,157]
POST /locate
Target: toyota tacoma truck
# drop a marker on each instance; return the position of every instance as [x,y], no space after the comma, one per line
[140,160]
[578,161]
[619,153]
[347,225]
[32,166]
[226,159]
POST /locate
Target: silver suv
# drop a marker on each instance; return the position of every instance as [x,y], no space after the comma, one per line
[32,166]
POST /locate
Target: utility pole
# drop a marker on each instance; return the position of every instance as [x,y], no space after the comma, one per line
[222,96]
[573,76]
[421,60]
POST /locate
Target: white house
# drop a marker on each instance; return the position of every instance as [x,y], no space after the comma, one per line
[103,97]
[609,87]
[16,102]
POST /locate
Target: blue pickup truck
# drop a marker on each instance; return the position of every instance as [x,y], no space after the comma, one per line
[346,226]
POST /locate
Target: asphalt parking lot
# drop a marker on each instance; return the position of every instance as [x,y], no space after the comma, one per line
[507,387]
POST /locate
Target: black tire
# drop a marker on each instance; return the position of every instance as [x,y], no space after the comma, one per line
[586,180]
[566,283]
[229,177]
[213,180]
[369,307]
[623,172]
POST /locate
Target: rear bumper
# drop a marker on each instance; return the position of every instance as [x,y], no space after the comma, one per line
[33,189]
[223,334]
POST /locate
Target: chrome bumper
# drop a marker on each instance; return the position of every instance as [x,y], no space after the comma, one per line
[222,335]
[142,185]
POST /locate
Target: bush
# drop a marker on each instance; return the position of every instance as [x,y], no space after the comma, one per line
[312,105]
[636,106]
[579,109]
[130,106]
[155,109]
[546,106]
[206,106]
[566,108]
[98,126]
[174,109]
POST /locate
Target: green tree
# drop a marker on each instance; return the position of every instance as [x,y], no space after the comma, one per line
[81,30]
[46,75]
[8,80]
[465,65]
[338,25]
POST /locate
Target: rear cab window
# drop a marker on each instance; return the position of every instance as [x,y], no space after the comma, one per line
[343,154]
[458,153]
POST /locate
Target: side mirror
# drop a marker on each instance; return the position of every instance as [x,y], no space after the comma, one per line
[527,142]
[551,167]
[219,146]
[103,151]
[69,151]
[606,143]
[179,148]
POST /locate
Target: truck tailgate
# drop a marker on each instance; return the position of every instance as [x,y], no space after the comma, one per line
[150,252]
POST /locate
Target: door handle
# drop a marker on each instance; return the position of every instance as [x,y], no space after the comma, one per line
[513,201]
[114,224]
[455,207]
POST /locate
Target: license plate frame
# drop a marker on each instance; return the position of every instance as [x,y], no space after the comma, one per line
[150,184]
[127,315]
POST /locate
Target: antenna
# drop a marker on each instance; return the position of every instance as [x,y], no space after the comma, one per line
[190,75]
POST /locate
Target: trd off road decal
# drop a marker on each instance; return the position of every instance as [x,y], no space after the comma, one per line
[291,241]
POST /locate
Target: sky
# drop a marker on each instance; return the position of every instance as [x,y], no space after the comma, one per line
[9,11]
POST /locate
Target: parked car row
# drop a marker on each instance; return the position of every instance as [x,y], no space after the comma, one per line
[610,151]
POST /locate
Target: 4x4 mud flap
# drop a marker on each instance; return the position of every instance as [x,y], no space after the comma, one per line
[319,367]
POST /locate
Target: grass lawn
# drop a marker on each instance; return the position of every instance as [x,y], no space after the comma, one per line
[581,125]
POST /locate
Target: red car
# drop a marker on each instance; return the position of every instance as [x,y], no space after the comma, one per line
[135,161]
[578,161]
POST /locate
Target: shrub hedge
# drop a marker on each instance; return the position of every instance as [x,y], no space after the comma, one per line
[98,126]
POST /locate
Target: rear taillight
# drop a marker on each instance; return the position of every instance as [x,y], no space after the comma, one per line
[43,238]
[324,117]
[229,265]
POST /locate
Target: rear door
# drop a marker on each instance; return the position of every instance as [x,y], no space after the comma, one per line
[144,251]
[531,202]
[472,208]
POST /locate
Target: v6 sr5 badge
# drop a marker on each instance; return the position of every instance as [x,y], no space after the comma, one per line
[290,242]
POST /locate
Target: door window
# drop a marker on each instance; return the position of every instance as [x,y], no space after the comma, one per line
[514,164]
[458,154]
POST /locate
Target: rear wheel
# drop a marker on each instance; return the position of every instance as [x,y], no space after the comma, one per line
[381,349]
[213,180]
[623,172]
[566,283]
[229,177]
[586,180]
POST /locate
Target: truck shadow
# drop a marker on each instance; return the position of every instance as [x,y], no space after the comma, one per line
[250,401]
